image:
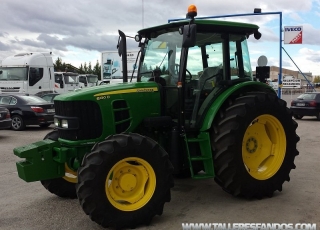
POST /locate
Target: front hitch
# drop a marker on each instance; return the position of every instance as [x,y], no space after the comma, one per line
[44,160]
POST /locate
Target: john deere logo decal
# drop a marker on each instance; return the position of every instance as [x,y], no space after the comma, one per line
[138,90]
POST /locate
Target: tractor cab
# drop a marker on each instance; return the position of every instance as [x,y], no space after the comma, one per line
[194,61]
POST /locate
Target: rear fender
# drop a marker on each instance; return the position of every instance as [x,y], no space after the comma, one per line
[243,87]
[16,112]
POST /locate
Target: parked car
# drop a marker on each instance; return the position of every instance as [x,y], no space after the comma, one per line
[28,110]
[307,104]
[49,96]
[5,119]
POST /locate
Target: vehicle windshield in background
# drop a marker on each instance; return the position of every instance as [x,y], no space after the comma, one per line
[307,96]
[70,79]
[33,99]
[13,74]
[92,79]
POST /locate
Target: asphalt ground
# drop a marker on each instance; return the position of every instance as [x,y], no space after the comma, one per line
[29,206]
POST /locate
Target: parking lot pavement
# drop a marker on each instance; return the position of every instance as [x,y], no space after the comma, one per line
[30,206]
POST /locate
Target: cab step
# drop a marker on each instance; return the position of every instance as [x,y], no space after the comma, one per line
[203,139]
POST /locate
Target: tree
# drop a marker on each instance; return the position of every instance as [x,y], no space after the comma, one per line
[97,69]
[90,68]
[85,67]
[81,68]
[316,79]
[58,65]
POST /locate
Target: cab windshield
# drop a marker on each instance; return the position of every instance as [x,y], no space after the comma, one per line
[205,58]
[13,73]
[162,53]
[92,79]
[70,79]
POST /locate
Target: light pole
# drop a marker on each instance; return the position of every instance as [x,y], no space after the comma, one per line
[257,12]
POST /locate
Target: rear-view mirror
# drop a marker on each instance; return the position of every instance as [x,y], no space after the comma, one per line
[189,35]
[120,47]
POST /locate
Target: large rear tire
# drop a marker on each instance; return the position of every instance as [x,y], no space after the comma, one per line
[65,186]
[254,145]
[125,181]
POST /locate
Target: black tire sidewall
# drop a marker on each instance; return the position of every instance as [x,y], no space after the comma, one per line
[249,185]
[53,135]
[143,151]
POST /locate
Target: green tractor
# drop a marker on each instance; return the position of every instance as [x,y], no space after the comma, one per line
[194,111]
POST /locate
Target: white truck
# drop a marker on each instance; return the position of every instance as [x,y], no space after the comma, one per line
[111,66]
[88,80]
[65,81]
[33,73]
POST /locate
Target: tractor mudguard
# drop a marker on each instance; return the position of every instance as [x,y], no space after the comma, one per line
[214,108]
[44,160]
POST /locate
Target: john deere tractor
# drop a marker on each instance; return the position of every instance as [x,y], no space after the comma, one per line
[194,111]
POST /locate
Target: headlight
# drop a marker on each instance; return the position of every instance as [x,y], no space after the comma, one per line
[56,122]
[64,123]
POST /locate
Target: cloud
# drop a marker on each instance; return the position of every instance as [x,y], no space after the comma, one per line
[4,47]
[310,35]
[83,27]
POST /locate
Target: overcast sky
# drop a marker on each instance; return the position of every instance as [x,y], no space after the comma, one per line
[77,31]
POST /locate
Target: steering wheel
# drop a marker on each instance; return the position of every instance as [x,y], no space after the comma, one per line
[176,69]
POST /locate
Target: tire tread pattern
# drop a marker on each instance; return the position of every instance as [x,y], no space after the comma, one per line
[105,154]
[227,135]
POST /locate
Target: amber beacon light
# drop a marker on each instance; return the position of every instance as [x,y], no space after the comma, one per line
[192,11]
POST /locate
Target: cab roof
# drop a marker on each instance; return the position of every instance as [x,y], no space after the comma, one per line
[204,26]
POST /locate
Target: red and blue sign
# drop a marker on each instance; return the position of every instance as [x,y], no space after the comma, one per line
[293,35]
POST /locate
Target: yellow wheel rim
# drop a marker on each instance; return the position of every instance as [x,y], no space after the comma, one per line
[130,184]
[70,175]
[264,147]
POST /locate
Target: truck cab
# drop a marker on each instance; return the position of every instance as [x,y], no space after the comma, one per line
[88,80]
[65,81]
[27,73]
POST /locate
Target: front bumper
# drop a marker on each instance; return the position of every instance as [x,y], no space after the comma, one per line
[39,119]
[305,111]
[5,124]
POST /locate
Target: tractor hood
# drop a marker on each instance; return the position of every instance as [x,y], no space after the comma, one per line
[100,92]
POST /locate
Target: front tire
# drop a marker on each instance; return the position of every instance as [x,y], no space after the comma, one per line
[254,144]
[125,181]
[65,186]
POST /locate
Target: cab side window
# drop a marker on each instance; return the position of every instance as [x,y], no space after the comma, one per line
[82,80]
[35,75]
[58,79]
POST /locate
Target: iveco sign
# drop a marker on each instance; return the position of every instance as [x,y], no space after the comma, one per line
[293,35]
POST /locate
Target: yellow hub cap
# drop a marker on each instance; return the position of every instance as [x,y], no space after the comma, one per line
[130,184]
[264,147]
[70,175]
